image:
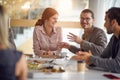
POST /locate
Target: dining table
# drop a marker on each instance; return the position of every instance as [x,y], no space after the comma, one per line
[71,73]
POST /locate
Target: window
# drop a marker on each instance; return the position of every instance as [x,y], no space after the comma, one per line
[69,10]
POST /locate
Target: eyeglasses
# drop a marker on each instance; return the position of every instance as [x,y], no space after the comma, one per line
[86,19]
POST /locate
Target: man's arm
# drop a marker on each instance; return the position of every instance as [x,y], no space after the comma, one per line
[74,49]
[105,61]
[96,44]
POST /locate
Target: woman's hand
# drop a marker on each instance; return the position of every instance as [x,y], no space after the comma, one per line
[63,45]
[48,53]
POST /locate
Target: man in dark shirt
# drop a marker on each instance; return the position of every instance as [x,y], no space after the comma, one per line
[110,58]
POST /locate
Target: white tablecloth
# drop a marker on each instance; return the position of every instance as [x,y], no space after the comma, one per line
[71,73]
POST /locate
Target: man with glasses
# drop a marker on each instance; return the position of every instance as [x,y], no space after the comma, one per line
[93,39]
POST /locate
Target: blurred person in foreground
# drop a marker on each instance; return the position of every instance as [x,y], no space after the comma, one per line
[93,39]
[12,63]
[110,58]
[46,35]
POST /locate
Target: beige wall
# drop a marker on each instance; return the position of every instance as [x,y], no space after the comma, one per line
[31,23]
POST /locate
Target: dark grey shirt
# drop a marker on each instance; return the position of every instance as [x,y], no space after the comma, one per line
[110,58]
[11,40]
[96,42]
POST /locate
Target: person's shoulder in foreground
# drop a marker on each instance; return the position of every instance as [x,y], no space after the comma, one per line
[12,63]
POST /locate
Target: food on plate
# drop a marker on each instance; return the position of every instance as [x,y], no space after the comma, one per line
[35,64]
[44,66]
[53,69]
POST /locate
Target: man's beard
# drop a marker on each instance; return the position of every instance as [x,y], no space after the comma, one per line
[110,29]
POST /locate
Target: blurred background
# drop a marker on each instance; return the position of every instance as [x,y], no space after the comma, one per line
[69,12]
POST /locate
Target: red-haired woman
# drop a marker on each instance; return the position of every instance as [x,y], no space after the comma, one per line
[46,35]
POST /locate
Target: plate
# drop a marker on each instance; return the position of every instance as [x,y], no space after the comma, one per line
[45,64]
[50,56]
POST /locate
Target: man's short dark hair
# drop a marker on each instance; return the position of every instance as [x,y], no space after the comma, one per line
[88,11]
[114,13]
